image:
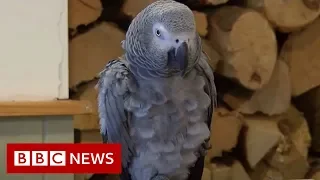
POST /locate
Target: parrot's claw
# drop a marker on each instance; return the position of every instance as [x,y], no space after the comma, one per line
[204,148]
[122,44]
[203,152]
[160,177]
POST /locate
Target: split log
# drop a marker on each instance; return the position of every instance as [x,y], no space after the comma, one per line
[287,16]
[294,126]
[80,13]
[309,104]
[90,52]
[290,164]
[206,174]
[264,171]
[213,55]
[87,122]
[207,162]
[275,97]
[201,23]
[238,172]
[225,129]
[272,99]
[289,158]
[133,7]
[261,136]
[301,52]
[220,172]
[247,44]
[236,96]
[234,171]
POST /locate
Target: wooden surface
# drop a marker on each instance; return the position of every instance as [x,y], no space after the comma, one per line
[41,108]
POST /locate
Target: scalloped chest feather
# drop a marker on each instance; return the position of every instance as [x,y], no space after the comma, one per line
[167,124]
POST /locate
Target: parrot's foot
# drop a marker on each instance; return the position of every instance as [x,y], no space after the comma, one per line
[160,177]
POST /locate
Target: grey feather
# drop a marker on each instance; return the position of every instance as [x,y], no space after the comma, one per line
[113,86]
[116,98]
[160,178]
[211,90]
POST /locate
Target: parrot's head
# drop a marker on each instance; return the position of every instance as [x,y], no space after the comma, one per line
[163,39]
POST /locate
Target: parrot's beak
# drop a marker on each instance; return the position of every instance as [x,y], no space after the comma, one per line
[182,57]
[178,58]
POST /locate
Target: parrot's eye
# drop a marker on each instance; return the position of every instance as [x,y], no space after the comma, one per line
[158,33]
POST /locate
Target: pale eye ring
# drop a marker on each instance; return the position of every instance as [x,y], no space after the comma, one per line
[158,33]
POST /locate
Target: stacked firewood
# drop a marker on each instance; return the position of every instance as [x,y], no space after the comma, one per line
[268,56]
[267,68]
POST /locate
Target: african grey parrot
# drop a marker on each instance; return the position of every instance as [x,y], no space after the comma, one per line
[158,98]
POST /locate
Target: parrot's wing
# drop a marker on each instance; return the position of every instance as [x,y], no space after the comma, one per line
[114,85]
[210,87]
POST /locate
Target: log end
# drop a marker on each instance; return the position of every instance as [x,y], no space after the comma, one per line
[225,125]
[254,50]
[247,43]
[290,16]
[275,97]
[301,53]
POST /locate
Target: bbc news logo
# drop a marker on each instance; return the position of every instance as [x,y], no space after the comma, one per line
[58,158]
[39,158]
[64,158]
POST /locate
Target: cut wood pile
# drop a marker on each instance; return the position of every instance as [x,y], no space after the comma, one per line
[266,57]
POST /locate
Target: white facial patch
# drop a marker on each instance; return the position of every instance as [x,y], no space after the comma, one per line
[164,40]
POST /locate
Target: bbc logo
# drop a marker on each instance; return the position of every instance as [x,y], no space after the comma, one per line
[39,158]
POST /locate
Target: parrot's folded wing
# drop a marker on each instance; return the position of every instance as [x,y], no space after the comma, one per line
[210,89]
[210,86]
[114,85]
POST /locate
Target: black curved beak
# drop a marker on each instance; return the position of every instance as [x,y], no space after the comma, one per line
[178,58]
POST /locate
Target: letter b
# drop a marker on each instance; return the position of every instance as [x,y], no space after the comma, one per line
[22,158]
[39,158]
